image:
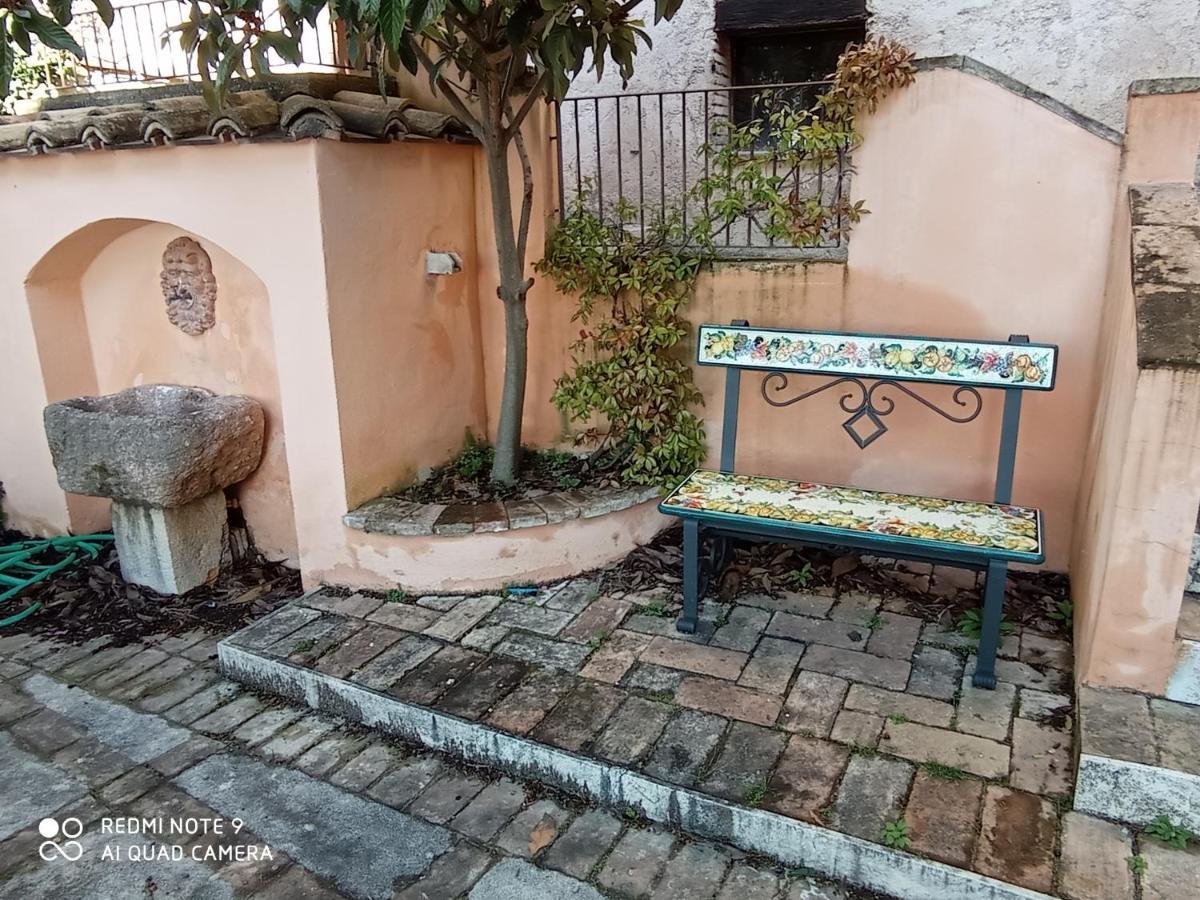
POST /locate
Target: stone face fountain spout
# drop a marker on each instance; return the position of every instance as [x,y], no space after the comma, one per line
[163,453]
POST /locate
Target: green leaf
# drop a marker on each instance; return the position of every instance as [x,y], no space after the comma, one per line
[105,10]
[408,57]
[425,12]
[20,35]
[230,60]
[392,15]
[61,10]
[287,46]
[516,32]
[258,57]
[52,34]
[189,35]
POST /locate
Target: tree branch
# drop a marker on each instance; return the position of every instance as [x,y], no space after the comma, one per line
[471,35]
[526,197]
[535,94]
[468,118]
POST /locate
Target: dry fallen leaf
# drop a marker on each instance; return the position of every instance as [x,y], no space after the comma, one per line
[542,834]
[843,565]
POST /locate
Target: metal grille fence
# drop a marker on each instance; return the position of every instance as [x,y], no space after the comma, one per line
[132,49]
[653,149]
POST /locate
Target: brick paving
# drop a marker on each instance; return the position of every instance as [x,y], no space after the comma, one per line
[360,815]
[844,711]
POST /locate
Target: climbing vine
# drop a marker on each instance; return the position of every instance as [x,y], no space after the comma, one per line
[784,170]
[629,382]
[631,292]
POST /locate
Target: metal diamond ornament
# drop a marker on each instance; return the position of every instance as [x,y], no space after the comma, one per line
[859,431]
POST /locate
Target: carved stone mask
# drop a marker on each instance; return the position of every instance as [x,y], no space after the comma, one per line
[189,287]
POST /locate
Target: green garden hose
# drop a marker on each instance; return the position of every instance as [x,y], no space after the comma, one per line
[18,571]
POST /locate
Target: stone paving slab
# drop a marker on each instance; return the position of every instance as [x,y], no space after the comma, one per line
[446,797]
[1139,757]
[139,736]
[515,879]
[315,823]
[847,676]
[20,806]
[822,736]
[117,880]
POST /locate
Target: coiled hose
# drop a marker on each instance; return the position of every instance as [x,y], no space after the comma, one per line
[18,570]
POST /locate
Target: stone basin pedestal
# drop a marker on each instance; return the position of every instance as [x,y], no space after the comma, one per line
[163,454]
[170,549]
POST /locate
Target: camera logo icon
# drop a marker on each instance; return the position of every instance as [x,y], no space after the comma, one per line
[69,848]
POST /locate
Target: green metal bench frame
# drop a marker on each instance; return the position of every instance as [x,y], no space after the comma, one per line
[737,347]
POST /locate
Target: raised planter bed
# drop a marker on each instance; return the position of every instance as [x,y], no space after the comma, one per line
[396,516]
[465,547]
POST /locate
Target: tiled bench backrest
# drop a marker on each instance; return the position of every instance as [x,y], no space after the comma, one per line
[990,364]
[887,361]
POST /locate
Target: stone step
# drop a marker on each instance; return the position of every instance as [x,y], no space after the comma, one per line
[1188,627]
[1139,758]
[1184,684]
[666,789]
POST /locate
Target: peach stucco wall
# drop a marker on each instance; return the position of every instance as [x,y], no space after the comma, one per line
[83,211]
[1136,512]
[405,344]
[990,215]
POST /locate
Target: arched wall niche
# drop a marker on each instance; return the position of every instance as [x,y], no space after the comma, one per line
[100,324]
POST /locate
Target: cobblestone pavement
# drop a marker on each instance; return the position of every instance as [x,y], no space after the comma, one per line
[115,736]
[840,710]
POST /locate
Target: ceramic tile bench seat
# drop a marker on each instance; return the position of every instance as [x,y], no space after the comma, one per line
[992,529]
[719,505]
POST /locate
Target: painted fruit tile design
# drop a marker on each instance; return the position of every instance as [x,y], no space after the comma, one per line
[1001,365]
[964,522]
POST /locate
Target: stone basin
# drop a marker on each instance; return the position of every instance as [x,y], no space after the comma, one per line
[161,445]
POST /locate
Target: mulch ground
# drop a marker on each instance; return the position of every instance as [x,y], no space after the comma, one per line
[1033,599]
[466,479]
[92,598]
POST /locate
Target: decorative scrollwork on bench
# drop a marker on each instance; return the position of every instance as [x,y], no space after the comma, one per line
[861,402]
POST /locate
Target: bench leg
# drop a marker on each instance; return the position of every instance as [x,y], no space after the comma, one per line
[691,577]
[989,632]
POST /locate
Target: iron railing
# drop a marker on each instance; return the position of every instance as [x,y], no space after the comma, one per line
[133,50]
[653,149]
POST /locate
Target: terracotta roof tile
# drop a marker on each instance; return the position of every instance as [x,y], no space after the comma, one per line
[249,114]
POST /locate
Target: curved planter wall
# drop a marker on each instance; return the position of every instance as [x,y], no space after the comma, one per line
[425,547]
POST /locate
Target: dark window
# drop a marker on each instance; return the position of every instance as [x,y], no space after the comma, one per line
[808,55]
[785,57]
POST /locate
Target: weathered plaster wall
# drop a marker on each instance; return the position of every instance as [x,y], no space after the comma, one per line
[405,344]
[132,342]
[684,54]
[1129,560]
[1083,53]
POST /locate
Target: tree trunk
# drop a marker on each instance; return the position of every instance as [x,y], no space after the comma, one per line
[513,287]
